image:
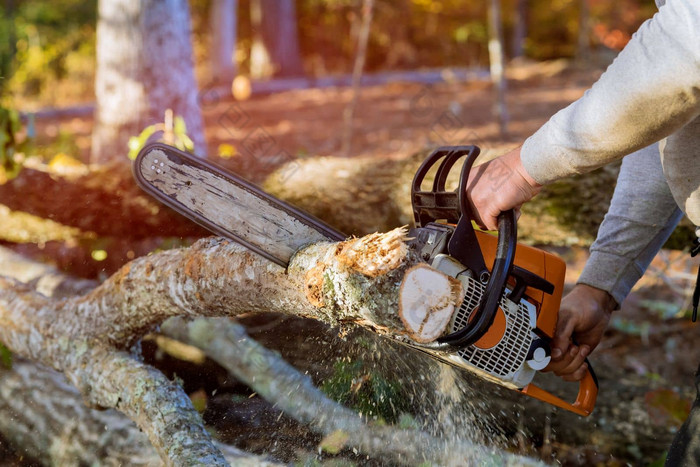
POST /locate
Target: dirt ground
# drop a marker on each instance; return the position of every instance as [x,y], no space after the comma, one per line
[648,337]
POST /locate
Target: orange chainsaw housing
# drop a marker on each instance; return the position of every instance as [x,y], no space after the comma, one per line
[553,269]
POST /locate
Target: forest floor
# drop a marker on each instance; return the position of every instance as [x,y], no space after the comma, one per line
[648,338]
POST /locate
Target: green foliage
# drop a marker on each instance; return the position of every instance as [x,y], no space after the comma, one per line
[660,461]
[47,49]
[177,136]
[682,236]
[366,391]
[663,309]
[7,45]
[335,442]
[9,127]
[42,43]
[5,357]
[632,328]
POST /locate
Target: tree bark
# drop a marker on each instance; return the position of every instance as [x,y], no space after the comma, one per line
[520,29]
[44,432]
[61,430]
[583,46]
[356,281]
[362,39]
[227,343]
[275,50]
[144,64]
[497,64]
[281,35]
[223,24]
[48,419]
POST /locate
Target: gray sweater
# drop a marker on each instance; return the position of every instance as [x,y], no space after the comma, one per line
[651,93]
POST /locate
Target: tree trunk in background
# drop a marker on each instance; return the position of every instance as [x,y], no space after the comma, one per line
[223,24]
[583,47]
[260,61]
[349,112]
[144,66]
[275,49]
[520,31]
[497,66]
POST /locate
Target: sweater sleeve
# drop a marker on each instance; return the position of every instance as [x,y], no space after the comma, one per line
[649,91]
[641,217]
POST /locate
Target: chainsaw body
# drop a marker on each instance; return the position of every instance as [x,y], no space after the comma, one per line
[507,319]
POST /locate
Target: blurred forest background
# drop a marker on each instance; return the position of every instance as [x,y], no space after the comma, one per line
[274,85]
[47,49]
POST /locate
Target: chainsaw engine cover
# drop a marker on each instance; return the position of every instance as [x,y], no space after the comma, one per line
[510,352]
[515,346]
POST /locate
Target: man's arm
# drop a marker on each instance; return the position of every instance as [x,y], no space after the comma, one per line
[641,217]
[651,90]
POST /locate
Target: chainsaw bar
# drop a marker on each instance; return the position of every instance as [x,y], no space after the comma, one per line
[227,204]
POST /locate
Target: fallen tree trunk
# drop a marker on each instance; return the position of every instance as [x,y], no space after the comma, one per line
[42,432]
[110,202]
[607,430]
[48,419]
[86,337]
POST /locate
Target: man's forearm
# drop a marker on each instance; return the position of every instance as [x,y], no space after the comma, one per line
[650,91]
[641,217]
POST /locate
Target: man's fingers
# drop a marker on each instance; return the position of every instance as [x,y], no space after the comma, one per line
[563,361]
[577,357]
[576,375]
[562,337]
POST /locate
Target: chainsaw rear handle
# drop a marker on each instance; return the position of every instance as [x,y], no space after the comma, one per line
[451,206]
[585,399]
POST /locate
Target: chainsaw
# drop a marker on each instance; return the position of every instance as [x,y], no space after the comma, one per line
[503,328]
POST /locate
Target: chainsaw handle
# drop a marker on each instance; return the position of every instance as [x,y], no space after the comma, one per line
[585,399]
[436,203]
[502,267]
[429,206]
[461,247]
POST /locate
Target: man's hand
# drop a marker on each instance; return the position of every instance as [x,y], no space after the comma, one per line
[583,317]
[497,186]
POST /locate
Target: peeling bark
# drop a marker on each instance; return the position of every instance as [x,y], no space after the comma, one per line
[213,278]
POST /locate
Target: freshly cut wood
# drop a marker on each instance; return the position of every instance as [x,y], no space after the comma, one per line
[422,285]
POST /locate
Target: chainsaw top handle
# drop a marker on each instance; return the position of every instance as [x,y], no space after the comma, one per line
[439,204]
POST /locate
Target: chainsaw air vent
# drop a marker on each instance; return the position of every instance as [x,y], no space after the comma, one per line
[507,357]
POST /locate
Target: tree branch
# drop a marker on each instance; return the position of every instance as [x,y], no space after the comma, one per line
[48,418]
[271,377]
